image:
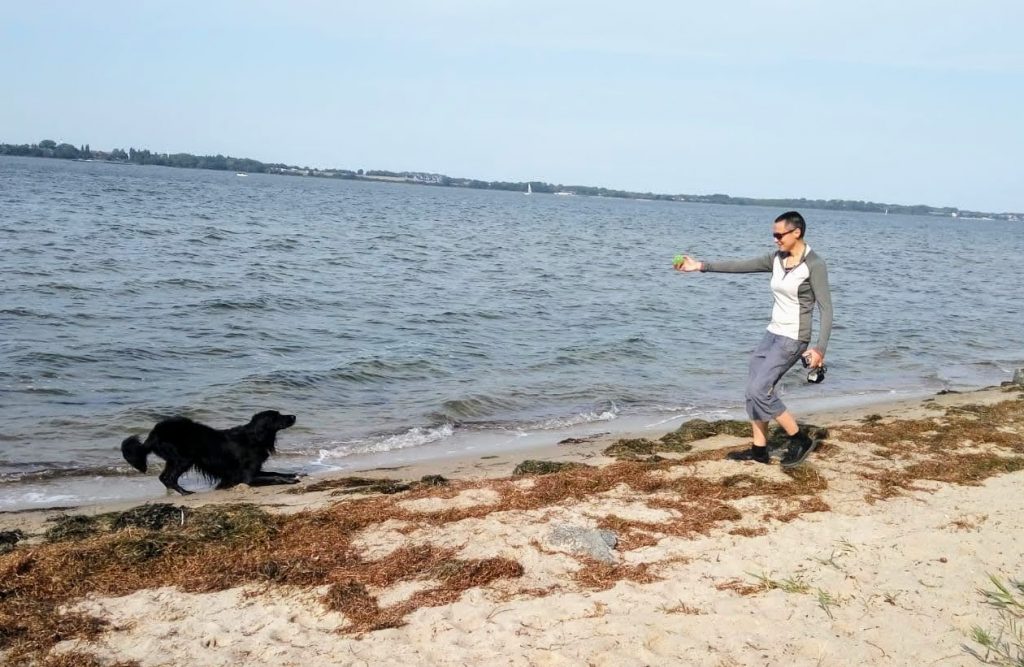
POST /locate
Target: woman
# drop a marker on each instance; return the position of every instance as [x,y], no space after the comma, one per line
[799,281]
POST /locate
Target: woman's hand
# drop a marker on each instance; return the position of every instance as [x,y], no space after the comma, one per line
[814,358]
[688,264]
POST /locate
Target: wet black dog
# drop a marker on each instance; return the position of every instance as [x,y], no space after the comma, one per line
[231,456]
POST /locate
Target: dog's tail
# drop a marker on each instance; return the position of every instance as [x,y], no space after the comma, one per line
[135,452]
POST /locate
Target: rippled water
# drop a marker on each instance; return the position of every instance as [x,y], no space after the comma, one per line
[391,316]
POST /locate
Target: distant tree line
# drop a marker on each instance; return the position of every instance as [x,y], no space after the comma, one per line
[831,204]
[51,149]
[47,148]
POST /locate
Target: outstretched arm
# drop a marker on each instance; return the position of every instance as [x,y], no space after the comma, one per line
[755,265]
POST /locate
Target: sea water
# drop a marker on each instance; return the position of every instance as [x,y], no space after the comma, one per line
[402,321]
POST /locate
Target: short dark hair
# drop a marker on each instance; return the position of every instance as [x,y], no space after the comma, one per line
[793,220]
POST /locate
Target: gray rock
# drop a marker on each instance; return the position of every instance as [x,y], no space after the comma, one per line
[597,544]
[8,538]
[1018,376]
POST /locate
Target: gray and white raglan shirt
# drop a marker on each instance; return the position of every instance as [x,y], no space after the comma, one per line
[795,292]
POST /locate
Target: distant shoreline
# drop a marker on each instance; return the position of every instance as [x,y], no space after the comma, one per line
[52,150]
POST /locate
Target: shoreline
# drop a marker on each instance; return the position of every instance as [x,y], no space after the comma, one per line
[431,179]
[875,551]
[414,463]
[484,454]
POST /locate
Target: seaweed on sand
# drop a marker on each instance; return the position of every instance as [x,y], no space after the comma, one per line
[535,467]
[681,440]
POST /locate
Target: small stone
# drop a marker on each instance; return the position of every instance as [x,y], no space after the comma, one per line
[8,538]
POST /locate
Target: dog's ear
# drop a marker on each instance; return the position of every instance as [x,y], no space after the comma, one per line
[264,430]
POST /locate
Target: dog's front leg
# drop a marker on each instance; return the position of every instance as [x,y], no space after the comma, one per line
[172,471]
[283,475]
[264,479]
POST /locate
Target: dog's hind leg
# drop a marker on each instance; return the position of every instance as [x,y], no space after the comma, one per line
[174,469]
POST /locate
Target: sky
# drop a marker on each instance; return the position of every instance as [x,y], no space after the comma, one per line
[907,102]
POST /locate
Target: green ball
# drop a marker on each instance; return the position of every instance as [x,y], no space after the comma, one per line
[678,259]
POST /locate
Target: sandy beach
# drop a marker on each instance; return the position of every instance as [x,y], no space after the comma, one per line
[648,551]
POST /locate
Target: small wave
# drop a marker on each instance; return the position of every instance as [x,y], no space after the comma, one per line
[257,303]
[414,437]
[472,407]
[183,282]
[363,372]
[134,353]
[57,358]
[600,415]
[50,471]
[290,379]
[372,370]
[216,234]
[69,287]
[31,389]
[632,349]
[25,312]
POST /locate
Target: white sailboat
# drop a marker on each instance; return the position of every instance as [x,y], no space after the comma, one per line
[529,189]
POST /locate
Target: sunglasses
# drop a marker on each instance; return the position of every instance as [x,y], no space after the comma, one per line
[778,237]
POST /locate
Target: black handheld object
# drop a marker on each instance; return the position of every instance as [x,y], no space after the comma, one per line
[815,375]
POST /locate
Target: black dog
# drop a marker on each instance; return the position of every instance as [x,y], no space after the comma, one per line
[232,456]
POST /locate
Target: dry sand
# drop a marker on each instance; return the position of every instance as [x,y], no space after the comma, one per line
[843,574]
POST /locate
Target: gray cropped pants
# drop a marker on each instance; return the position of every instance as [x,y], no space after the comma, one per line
[771,359]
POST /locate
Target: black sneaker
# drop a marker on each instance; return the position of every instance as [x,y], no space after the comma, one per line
[800,445]
[753,453]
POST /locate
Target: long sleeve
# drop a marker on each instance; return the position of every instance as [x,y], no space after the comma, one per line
[754,265]
[823,296]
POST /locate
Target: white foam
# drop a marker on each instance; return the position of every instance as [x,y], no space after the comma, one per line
[70,491]
[414,437]
[577,419]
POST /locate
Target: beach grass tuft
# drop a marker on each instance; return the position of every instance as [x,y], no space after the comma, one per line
[1005,645]
[681,608]
[787,585]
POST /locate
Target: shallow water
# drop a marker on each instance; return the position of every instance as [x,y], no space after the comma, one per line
[397,317]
